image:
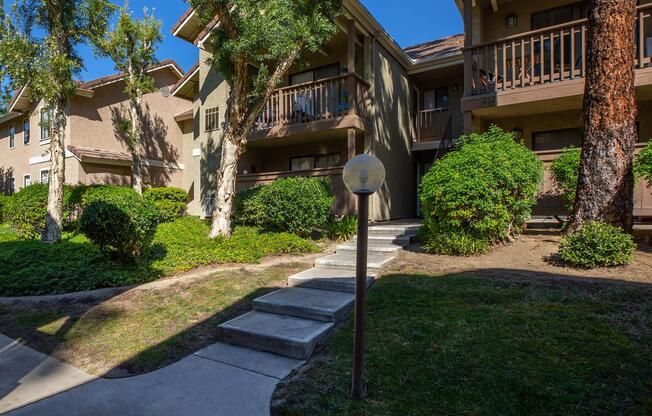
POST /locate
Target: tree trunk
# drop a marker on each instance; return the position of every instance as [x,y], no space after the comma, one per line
[54,216]
[226,181]
[606,181]
[136,147]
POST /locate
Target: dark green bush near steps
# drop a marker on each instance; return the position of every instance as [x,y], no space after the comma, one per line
[480,194]
[597,244]
[119,220]
[295,205]
[170,203]
[565,172]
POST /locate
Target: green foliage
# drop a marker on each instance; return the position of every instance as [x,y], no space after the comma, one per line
[295,205]
[118,219]
[26,211]
[480,194]
[170,203]
[597,244]
[32,268]
[4,200]
[565,172]
[344,228]
[644,162]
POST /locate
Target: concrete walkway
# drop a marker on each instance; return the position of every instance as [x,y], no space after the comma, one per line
[219,380]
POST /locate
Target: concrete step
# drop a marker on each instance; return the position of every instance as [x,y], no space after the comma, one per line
[394,228]
[348,260]
[339,280]
[318,305]
[401,240]
[281,334]
[376,248]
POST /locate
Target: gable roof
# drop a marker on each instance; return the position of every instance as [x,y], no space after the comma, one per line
[438,48]
[98,82]
[185,87]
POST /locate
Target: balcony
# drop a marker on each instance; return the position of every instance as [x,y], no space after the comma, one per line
[315,106]
[544,57]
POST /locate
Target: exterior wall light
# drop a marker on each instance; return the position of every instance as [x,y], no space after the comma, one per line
[511,21]
[363,175]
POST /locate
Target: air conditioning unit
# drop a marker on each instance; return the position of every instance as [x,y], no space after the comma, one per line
[209,204]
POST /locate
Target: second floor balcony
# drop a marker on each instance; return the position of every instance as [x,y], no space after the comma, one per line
[330,103]
[545,56]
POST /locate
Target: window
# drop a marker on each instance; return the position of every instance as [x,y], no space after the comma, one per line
[435,99]
[45,124]
[26,132]
[316,74]
[559,15]
[212,119]
[328,160]
[27,181]
[12,136]
[556,139]
[45,175]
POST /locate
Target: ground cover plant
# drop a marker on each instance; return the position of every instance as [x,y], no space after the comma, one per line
[597,244]
[343,228]
[140,330]
[28,267]
[480,194]
[464,343]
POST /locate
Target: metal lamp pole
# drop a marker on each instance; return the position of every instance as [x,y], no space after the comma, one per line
[357,390]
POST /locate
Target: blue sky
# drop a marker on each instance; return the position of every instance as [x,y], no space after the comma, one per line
[407,21]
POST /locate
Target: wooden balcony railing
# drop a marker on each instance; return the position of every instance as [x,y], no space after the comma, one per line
[431,124]
[319,100]
[548,55]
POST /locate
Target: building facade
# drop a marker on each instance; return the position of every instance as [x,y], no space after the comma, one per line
[95,151]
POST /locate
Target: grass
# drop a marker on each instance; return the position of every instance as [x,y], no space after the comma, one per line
[32,268]
[466,345]
[141,330]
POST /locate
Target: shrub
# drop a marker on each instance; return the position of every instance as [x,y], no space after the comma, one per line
[644,162]
[169,202]
[597,244]
[4,200]
[26,211]
[118,219]
[295,205]
[344,228]
[565,172]
[480,194]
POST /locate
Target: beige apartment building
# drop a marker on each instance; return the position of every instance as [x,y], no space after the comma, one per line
[520,65]
[95,154]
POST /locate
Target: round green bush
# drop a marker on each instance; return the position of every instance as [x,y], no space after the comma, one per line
[597,244]
[118,219]
[169,202]
[296,205]
[480,194]
[4,200]
[26,211]
[644,162]
[565,173]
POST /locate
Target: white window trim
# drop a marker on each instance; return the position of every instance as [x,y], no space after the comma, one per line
[30,131]
[40,174]
[30,180]
[11,126]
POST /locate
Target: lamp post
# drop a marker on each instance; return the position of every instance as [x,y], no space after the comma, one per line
[362,175]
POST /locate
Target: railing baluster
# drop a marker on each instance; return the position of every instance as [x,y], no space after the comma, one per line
[552,56]
[572,52]
[523,67]
[504,66]
[513,65]
[532,60]
[542,55]
[561,55]
[641,39]
[583,50]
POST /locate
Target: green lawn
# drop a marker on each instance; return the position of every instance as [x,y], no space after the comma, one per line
[29,267]
[468,345]
[141,330]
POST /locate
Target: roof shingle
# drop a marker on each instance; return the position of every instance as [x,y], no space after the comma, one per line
[436,49]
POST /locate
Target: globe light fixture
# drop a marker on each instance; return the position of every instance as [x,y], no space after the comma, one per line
[363,175]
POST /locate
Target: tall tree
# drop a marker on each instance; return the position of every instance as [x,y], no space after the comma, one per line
[606,180]
[38,46]
[254,44]
[132,47]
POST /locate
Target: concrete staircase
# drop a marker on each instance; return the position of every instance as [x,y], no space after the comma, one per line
[294,320]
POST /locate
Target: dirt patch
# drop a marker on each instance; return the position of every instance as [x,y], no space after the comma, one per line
[530,256]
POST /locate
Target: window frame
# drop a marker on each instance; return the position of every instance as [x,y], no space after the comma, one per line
[11,134]
[315,157]
[574,129]
[571,6]
[215,118]
[435,96]
[25,178]
[27,133]
[40,175]
[314,73]
[45,132]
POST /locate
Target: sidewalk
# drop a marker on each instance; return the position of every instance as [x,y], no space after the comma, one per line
[219,380]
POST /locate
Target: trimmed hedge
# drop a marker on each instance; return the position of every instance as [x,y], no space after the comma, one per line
[597,244]
[480,194]
[26,211]
[565,172]
[170,203]
[118,219]
[296,205]
[4,200]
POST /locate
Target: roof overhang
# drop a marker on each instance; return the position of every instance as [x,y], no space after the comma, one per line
[188,85]
[187,27]
[189,114]
[434,64]
[9,116]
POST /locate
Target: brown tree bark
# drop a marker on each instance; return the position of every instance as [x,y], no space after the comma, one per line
[606,181]
[54,215]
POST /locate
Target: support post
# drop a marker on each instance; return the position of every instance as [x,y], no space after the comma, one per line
[468,42]
[350,66]
[351,153]
[358,390]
